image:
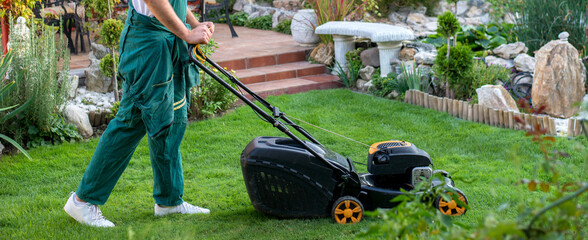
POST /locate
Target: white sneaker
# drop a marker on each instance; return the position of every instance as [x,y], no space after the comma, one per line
[86,213]
[184,208]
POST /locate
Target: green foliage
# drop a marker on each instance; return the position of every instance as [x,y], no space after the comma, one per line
[447,24]
[263,22]
[411,78]
[58,132]
[542,20]
[560,212]
[239,18]
[110,32]
[99,8]
[113,110]
[106,65]
[284,26]
[43,64]
[480,75]
[4,90]
[354,64]
[328,10]
[18,8]
[480,38]
[415,216]
[210,98]
[383,85]
[455,69]
[501,7]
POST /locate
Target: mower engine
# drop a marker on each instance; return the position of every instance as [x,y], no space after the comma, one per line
[399,159]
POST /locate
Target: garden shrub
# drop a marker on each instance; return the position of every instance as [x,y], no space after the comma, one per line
[210,98]
[354,64]
[543,20]
[239,18]
[383,85]
[43,64]
[6,86]
[481,75]
[411,78]
[284,26]
[455,69]
[106,64]
[99,7]
[480,38]
[263,22]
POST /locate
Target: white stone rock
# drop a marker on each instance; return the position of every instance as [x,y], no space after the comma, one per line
[525,63]
[73,86]
[366,73]
[495,96]
[239,4]
[431,26]
[76,116]
[492,60]
[426,58]
[416,19]
[359,83]
[511,50]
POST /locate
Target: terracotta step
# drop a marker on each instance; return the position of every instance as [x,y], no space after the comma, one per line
[265,60]
[295,85]
[278,72]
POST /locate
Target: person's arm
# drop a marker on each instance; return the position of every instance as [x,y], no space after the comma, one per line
[164,12]
[190,19]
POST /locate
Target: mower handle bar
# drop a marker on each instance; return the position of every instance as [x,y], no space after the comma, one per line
[198,57]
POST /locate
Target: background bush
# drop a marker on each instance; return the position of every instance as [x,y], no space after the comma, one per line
[284,26]
[455,68]
[106,65]
[480,75]
[210,98]
[263,22]
[542,20]
[239,18]
[43,64]
[480,38]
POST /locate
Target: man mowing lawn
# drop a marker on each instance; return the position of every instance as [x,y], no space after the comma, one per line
[157,78]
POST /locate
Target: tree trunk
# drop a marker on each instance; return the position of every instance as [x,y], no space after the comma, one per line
[447,71]
[114,80]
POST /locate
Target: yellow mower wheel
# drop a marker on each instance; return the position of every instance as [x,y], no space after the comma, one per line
[451,208]
[347,210]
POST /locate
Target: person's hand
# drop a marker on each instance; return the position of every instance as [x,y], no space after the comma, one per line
[210,26]
[200,35]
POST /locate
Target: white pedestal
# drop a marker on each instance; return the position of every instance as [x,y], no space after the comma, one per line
[343,44]
[388,51]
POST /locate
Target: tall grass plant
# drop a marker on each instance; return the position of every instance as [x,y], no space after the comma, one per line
[541,21]
[43,63]
[329,10]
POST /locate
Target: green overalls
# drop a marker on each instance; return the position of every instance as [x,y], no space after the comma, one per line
[157,77]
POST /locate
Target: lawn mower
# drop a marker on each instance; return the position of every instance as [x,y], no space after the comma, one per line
[288,177]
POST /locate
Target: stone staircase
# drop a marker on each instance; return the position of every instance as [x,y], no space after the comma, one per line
[281,73]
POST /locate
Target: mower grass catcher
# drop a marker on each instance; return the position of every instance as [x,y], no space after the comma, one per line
[290,177]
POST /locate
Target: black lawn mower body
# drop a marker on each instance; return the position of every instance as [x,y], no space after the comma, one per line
[295,178]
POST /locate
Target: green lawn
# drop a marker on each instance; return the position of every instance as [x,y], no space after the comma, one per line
[32,193]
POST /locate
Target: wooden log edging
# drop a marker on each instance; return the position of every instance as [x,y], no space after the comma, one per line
[489,116]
